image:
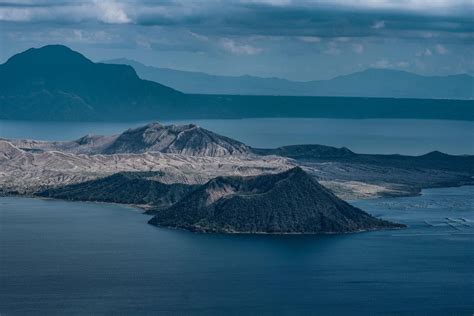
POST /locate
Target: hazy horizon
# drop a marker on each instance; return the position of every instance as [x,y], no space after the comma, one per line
[295,40]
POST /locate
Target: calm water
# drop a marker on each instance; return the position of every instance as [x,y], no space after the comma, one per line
[411,137]
[79,258]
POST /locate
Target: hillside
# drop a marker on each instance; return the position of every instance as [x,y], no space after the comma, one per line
[289,202]
[184,139]
[190,140]
[382,83]
[190,154]
[123,187]
[55,83]
[318,153]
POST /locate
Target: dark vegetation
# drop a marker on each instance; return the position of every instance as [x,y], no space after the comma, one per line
[289,202]
[434,160]
[124,187]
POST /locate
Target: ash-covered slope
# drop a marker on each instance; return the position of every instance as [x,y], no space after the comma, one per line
[288,202]
[124,187]
[189,140]
[30,170]
[8,151]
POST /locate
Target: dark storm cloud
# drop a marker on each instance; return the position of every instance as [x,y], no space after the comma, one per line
[305,19]
[267,18]
[253,36]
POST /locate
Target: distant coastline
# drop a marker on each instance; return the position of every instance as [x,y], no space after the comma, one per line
[201,106]
[56,83]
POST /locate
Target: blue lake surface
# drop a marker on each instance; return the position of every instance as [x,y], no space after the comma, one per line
[402,136]
[68,258]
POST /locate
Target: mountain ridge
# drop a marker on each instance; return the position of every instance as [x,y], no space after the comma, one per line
[55,83]
[54,78]
[30,165]
[461,86]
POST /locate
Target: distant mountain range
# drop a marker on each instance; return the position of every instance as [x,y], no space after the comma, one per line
[55,83]
[55,79]
[382,83]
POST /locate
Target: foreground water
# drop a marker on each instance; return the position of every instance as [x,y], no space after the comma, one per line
[411,137]
[81,258]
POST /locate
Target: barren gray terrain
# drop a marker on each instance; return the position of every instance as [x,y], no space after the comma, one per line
[192,155]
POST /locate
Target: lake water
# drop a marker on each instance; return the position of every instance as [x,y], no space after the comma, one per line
[60,257]
[411,137]
[70,258]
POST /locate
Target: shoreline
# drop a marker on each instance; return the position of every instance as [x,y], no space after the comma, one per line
[148,207]
[142,209]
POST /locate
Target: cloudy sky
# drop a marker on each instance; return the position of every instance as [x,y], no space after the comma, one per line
[300,40]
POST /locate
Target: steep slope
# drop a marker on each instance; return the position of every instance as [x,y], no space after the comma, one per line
[55,81]
[289,202]
[123,187]
[34,170]
[190,140]
[384,83]
[184,139]
[9,152]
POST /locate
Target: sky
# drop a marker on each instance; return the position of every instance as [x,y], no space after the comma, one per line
[297,40]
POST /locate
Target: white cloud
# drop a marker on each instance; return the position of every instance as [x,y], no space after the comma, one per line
[332,49]
[402,64]
[411,5]
[427,52]
[62,35]
[107,11]
[418,5]
[143,42]
[14,15]
[200,37]
[78,35]
[378,25]
[358,48]
[382,64]
[277,3]
[238,48]
[309,39]
[440,49]
[112,12]
[385,64]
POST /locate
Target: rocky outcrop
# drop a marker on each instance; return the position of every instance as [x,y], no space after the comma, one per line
[8,151]
[289,202]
